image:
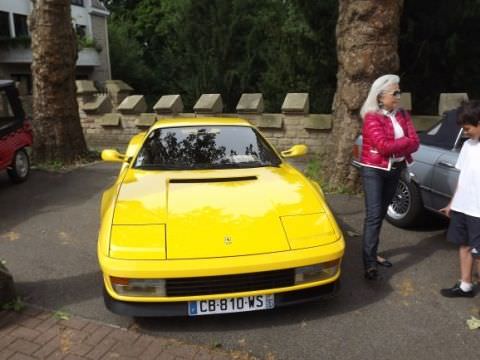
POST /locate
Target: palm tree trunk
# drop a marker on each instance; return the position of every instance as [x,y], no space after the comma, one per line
[58,133]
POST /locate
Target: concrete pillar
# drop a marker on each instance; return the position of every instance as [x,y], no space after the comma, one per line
[449,101]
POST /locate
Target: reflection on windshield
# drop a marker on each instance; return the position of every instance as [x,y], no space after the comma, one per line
[206,147]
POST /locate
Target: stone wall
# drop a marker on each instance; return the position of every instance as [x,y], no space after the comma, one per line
[109,120]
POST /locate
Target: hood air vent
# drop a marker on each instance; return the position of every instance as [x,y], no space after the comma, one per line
[212,180]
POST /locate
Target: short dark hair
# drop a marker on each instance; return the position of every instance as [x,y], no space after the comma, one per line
[469,113]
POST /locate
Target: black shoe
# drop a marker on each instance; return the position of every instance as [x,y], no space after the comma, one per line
[456,291]
[371,274]
[384,263]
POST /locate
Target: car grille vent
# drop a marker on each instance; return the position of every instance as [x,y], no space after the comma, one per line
[230,283]
[209,180]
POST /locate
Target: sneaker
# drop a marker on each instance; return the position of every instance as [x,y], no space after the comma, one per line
[475,253]
[456,291]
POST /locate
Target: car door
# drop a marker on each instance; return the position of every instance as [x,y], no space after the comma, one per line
[445,175]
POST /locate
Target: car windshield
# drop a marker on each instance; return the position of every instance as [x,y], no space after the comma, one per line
[205,147]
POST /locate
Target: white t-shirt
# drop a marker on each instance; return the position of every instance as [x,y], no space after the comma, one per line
[467,196]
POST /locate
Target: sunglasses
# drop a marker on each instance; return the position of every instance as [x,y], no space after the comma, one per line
[396,93]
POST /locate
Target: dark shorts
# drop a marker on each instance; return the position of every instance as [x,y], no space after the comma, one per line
[464,229]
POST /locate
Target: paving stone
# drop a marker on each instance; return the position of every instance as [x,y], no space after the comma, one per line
[24,346]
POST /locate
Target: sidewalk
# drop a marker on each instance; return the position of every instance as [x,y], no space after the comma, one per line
[38,334]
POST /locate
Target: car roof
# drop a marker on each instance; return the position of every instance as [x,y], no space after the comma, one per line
[202,121]
[4,83]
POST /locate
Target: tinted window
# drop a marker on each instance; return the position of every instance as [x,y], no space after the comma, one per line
[4,25]
[21,27]
[205,147]
[5,108]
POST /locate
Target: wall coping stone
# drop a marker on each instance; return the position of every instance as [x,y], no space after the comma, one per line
[406,101]
[296,103]
[250,104]
[133,104]
[117,86]
[318,122]
[270,121]
[85,87]
[169,104]
[449,101]
[112,119]
[100,104]
[425,122]
[209,104]
[146,120]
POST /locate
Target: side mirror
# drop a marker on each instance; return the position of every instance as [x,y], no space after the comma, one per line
[296,150]
[114,156]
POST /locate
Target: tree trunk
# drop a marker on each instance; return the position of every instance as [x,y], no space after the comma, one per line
[367,44]
[57,129]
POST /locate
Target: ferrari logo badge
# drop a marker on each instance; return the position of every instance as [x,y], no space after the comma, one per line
[227,240]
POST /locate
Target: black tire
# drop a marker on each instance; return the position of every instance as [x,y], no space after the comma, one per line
[406,208]
[20,168]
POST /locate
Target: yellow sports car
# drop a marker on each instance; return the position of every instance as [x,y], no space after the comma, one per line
[206,217]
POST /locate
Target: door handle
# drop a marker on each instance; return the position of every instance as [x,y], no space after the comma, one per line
[446,164]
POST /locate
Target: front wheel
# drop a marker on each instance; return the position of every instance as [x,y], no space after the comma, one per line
[20,167]
[407,206]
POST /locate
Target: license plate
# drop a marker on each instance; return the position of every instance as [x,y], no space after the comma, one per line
[231,305]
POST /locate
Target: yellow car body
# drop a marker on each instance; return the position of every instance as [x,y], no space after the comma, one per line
[200,241]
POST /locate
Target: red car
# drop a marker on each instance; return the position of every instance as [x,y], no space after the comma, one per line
[16,134]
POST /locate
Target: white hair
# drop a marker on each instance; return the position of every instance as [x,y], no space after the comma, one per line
[378,86]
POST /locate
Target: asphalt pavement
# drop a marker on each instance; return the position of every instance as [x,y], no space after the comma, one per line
[48,234]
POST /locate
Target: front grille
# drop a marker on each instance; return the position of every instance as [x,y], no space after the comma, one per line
[230,283]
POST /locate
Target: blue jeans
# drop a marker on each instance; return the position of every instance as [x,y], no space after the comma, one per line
[379,188]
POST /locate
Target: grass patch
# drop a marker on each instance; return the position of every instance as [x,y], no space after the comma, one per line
[315,171]
[58,166]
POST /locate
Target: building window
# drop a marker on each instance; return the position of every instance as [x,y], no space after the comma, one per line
[81,31]
[77,2]
[4,25]
[21,25]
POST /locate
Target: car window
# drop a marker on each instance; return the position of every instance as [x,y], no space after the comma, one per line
[5,108]
[205,147]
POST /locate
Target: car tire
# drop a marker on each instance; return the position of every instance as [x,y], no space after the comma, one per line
[20,168]
[407,207]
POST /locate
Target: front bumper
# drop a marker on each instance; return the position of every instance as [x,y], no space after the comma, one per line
[166,309]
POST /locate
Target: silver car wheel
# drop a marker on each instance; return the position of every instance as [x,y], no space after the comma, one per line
[21,164]
[401,202]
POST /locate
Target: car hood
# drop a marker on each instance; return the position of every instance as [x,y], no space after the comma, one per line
[219,213]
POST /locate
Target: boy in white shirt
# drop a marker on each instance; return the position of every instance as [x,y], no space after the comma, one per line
[464,209]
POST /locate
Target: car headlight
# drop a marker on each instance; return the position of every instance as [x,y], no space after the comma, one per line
[316,272]
[138,287]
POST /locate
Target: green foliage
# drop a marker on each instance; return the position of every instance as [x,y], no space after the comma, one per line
[227,47]
[61,315]
[16,305]
[88,42]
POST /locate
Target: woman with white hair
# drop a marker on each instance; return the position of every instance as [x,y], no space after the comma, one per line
[389,139]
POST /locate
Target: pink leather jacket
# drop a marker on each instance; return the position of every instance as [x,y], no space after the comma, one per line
[379,143]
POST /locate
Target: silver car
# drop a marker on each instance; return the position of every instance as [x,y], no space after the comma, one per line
[429,182]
